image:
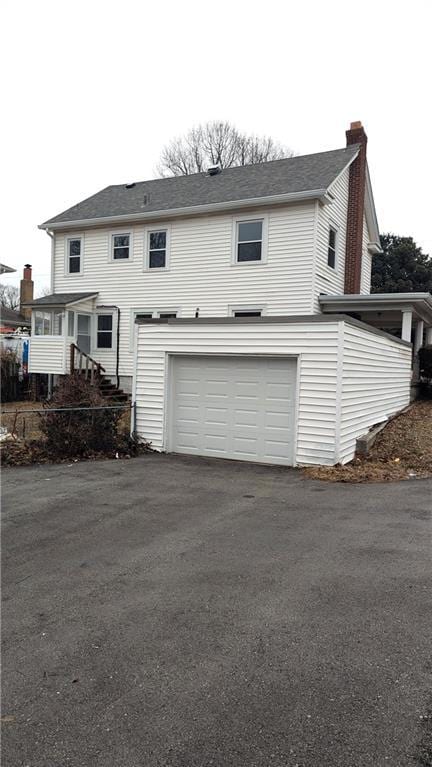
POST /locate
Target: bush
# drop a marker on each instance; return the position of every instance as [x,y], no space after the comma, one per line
[80,432]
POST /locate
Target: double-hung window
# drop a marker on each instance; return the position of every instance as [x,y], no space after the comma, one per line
[157,257]
[120,246]
[331,252]
[49,323]
[249,241]
[74,255]
[104,331]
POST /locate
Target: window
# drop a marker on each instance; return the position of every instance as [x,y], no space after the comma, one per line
[249,239]
[42,323]
[157,249]
[120,246]
[57,326]
[331,253]
[246,313]
[74,255]
[48,323]
[144,316]
[167,315]
[104,331]
[71,323]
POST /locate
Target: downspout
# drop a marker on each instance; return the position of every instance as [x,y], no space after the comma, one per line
[118,348]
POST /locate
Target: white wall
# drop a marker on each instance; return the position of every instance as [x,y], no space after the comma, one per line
[201,274]
[47,354]
[349,378]
[315,343]
[328,280]
[376,383]
[366,269]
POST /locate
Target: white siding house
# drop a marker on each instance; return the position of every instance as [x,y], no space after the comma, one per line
[226,275]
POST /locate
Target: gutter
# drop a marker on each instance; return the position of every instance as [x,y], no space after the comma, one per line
[316,194]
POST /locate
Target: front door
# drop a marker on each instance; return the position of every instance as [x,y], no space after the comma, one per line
[84,332]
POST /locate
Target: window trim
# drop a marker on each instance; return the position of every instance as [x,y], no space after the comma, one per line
[67,239]
[335,228]
[233,308]
[120,233]
[95,331]
[264,241]
[147,232]
[148,310]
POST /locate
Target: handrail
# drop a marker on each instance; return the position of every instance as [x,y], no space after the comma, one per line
[95,367]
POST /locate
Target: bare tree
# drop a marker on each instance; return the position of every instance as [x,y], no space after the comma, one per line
[9,296]
[46,291]
[217,143]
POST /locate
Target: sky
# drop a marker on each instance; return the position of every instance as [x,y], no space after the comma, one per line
[93,90]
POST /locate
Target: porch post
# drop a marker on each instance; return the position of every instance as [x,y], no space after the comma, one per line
[428,341]
[406,324]
[418,342]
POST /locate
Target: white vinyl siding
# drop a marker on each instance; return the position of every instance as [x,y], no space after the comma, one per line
[201,274]
[315,345]
[375,384]
[47,354]
[328,280]
[341,392]
[366,269]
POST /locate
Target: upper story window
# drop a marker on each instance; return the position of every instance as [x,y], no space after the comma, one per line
[248,313]
[331,252]
[157,249]
[104,331]
[120,246]
[249,241]
[74,255]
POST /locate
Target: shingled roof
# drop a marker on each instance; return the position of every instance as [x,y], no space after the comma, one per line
[295,175]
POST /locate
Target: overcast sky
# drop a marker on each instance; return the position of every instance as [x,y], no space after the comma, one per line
[95,89]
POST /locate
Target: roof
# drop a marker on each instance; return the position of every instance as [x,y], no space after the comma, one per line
[304,174]
[11,317]
[61,299]
[420,303]
[6,269]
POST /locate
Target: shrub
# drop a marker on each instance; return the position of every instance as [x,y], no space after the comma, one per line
[79,432]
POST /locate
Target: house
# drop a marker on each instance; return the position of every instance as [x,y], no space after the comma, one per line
[235,306]
[11,320]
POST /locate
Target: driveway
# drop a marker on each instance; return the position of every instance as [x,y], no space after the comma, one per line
[182,612]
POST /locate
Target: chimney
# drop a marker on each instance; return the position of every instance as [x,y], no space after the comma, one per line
[26,292]
[356,195]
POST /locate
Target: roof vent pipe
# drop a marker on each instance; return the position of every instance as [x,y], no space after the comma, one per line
[213,170]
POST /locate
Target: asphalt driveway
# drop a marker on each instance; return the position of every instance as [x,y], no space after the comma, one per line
[183,612]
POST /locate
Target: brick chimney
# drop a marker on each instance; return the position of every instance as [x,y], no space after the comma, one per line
[356,195]
[26,292]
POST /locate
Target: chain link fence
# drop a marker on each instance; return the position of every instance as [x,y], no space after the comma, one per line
[25,423]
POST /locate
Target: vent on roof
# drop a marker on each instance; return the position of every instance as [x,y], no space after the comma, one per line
[130,186]
[146,198]
[213,170]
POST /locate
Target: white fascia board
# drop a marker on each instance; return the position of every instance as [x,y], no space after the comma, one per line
[275,199]
[370,213]
[420,303]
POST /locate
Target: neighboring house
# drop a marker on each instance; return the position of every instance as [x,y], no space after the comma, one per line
[205,296]
[10,320]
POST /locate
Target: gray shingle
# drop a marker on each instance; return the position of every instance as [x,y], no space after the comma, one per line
[296,174]
[61,299]
[11,317]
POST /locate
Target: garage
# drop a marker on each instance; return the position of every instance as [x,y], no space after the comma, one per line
[282,390]
[240,407]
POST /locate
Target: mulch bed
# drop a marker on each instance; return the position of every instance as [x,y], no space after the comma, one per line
[18,453]
[403,450]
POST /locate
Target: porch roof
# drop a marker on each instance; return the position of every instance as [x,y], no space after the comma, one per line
[60,299]
[420,304]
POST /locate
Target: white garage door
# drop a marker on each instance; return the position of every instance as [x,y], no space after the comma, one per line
[233,407]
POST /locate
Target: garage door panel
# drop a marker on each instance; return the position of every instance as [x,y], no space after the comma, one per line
[237,407]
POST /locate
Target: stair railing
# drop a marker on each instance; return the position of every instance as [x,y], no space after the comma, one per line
[82,362]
